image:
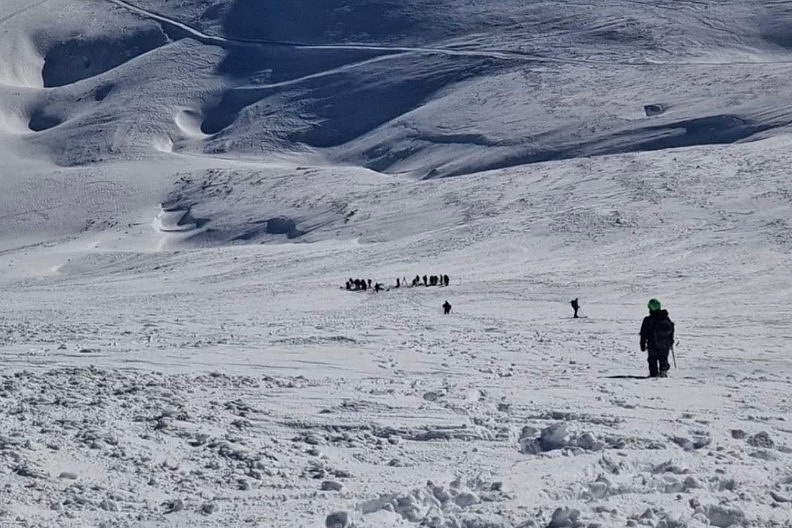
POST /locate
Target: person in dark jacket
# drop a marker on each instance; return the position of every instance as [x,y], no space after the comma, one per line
[657,337]
[575,306]
[446,308]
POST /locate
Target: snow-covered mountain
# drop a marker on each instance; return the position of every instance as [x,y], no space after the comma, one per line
[187,186]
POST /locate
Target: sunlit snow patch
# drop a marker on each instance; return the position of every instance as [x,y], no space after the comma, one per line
[174,220]
[21,64]
[189,123]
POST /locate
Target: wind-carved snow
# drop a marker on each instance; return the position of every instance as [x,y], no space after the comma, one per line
[187,187]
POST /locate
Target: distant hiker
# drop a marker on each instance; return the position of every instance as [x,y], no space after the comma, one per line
[446,279]
[433,280]
[575,306]
[369,283]
[425,283]
[398,283]
[657,336]
[348,285]
[446,308]
[357,284]
[363,285]
[416,281]
[377,287]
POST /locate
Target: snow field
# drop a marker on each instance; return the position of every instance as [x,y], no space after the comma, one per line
[187,186]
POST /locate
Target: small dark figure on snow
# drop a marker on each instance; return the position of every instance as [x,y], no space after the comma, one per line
[416,281]
[433,280]
[363,285]
[575,306]
[657,336]
[446,308]
[369,283]
[425,282]
[377,287]
[348,285]
[446,279]
[398,282]
[356,282]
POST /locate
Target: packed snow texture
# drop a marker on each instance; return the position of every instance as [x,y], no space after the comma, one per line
[187,186]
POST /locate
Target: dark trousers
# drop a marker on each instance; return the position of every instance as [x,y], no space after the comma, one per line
[658,361]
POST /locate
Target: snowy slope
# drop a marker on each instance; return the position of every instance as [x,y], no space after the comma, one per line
[187,186]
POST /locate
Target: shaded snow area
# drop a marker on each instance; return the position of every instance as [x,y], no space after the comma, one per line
[187,187]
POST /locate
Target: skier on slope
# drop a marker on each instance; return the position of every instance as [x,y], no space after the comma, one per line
[657,336]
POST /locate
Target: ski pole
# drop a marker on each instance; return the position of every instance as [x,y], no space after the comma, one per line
[673,356]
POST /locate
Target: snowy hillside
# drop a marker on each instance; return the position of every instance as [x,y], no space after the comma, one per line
[187,186]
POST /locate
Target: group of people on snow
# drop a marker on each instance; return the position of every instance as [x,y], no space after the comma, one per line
[431,280]
[363,284]
[657,328]
[366,284]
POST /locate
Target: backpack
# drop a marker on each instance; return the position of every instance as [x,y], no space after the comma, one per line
[663,334]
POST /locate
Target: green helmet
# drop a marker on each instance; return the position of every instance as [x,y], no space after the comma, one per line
[654,305]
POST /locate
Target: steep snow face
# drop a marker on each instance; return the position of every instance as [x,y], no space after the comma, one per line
[380,111]
[398,88]
[402,87]
[187,186]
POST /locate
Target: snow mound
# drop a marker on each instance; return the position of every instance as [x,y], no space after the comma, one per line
[724,516]
[441,506]
[172,219]
[189,123]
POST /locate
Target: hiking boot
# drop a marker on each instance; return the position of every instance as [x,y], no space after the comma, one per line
[663,373]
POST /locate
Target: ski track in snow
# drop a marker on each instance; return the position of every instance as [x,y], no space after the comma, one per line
[492,54]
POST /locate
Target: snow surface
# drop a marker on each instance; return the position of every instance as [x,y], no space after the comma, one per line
[186,187]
